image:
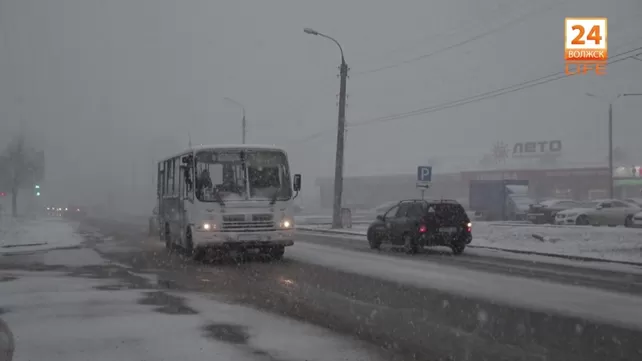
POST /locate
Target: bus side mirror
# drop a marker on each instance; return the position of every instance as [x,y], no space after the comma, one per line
[297,182]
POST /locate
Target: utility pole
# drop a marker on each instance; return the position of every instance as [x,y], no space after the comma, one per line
[341,132]
[611,183]
[338,169]
[244,128]
[243,122]
[611,150]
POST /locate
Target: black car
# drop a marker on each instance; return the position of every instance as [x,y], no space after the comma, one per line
[544,212]
[416,223]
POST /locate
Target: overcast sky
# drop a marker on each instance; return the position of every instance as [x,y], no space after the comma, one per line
[108,87]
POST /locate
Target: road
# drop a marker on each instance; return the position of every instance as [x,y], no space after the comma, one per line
[401,306]
[624,278]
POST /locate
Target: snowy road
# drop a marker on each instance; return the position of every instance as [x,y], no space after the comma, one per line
[71,304]
[612,277]
[434,305]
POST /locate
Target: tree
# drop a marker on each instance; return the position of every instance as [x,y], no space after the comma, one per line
[22,166]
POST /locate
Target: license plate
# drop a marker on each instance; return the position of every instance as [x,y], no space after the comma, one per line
[448,229]
[248,237]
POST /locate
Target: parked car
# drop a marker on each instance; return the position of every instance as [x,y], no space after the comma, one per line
[545,211]
[417,223]
[154,223]
[634,201]
[610,212]
[637,220]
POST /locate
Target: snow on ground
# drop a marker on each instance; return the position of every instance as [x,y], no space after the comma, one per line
[59,318]
[73,258]
[615,244]
[28,235]
[583,302]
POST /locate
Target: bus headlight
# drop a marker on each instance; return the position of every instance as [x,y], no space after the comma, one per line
[286,224]
[207,226]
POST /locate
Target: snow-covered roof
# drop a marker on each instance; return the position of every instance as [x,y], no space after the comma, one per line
[201,147]
[236,146]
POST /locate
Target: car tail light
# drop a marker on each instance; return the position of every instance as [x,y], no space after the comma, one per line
[423,228]
[470,227]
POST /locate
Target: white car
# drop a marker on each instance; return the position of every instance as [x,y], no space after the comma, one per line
[610,212]
[637,220]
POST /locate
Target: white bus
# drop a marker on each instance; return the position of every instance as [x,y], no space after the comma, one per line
[227,198]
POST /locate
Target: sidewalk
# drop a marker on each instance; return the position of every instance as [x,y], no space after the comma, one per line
[27,235]
[583,243]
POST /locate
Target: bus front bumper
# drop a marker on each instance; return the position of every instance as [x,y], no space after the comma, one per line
[242,239]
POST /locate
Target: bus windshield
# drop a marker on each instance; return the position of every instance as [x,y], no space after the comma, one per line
[223,175]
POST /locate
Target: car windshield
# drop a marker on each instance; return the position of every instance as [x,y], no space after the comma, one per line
[242,175]
[550,202]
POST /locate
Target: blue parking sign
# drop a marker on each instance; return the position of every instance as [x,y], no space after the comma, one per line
[424,174]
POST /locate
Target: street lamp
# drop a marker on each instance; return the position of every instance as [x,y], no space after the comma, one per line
[243,124]
[338,169]
[611,132]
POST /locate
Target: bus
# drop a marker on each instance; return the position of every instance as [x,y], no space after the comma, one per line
[227,198]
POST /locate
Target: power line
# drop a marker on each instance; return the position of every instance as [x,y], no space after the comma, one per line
[487,95]
[456,30]
[630,54]
[515,21]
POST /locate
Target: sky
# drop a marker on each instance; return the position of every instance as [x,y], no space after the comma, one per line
[109,87]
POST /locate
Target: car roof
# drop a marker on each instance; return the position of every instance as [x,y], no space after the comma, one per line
[431,201]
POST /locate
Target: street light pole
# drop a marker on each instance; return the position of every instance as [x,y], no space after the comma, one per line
[243,122]
[338,169]
[611,186]
[611,171]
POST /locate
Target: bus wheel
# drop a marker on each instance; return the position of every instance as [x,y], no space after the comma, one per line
[190,251]
[168,238]
[277,252]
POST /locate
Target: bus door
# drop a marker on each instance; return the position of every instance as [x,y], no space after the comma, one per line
[185,193]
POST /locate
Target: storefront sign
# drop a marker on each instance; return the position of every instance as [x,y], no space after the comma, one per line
[537,148]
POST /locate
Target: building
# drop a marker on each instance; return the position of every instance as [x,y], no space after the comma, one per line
[575,183]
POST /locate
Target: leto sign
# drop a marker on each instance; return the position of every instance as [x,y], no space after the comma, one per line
[537,149]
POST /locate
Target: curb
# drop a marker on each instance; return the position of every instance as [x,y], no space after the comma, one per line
[555,255]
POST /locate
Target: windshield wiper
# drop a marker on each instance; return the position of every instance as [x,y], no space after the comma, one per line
[274,197]
[218,198]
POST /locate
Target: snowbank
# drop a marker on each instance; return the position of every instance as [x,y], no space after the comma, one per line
[614,244]
[151,325]
[28,235]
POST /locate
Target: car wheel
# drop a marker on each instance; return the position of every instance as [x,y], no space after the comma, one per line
[168,238]
[458,248]
[409,243]
[373,240]
[582,221]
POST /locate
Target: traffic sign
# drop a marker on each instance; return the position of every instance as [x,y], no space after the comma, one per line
[424,176]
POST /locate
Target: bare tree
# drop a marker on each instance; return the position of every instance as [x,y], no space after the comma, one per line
[21,166]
